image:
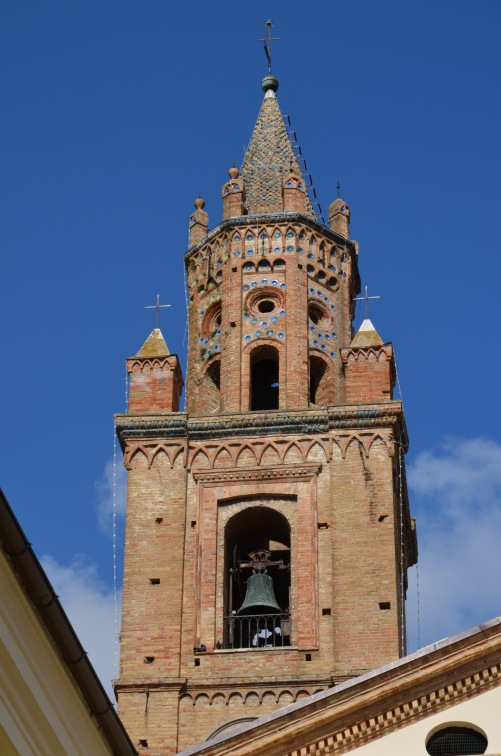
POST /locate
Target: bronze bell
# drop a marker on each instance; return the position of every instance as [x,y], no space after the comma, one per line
[260,596]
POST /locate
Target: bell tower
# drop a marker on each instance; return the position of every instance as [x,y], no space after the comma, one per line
[268,531]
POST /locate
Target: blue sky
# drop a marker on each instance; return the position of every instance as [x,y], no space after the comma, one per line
[116,115]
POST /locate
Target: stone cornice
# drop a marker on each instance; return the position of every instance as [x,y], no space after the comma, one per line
[304,471]
[139,686]
[251,220]
[260,682]
[281,422]
[276,423]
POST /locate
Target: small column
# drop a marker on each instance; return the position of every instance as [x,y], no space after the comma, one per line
[233,195]
[155,377]
[199,222]
[339,217]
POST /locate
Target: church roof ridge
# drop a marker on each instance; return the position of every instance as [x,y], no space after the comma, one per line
[268,159]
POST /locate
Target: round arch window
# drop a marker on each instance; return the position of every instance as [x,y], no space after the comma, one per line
[456,741]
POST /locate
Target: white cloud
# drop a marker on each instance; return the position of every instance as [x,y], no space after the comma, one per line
[455,493]
[111,490]
[90,607]
[86,599]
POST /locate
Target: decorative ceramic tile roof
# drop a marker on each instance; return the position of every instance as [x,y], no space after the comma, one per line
[268,159]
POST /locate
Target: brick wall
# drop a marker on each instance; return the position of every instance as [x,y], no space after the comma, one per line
[337,492]
[245,264]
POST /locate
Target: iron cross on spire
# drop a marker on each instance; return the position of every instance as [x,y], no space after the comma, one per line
[267,43]
[156,307]
[366,299]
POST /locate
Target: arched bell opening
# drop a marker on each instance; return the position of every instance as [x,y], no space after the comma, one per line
[257,579]
[319,382]
[211,389]
[264,379]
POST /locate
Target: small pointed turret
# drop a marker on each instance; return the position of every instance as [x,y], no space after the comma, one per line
[339,217]
[233,195]
[294,193]
[369,367]
[155,377]
[199,222]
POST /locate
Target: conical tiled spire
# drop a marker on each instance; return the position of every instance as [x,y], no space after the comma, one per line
[269,158]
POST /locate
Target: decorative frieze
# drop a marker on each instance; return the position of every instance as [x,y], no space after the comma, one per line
[306,471]
[280,423]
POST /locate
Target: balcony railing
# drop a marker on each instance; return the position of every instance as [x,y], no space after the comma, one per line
[257,631]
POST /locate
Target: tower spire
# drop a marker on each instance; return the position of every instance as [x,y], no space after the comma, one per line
[269,160]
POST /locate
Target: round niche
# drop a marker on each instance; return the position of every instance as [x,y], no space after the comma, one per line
[212,319]
[264,301]
[319,315]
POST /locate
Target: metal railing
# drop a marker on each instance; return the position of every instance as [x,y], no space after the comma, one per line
[257,631]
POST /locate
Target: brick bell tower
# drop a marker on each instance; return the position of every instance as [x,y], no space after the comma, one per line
[268,532]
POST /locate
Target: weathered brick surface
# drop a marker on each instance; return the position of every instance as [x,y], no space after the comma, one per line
[344,514]
[308,279]
[369,373]
[155,385]
[339,217]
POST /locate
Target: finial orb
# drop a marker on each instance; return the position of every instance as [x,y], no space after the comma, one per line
[199,203]
[269,82]
[233,173]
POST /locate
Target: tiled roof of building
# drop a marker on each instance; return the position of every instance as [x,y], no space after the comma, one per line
[268,159]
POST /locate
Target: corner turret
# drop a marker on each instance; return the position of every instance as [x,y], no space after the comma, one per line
[233,195]
[339,217]
[199,222]
[155,377]
[369,367]
[294,193]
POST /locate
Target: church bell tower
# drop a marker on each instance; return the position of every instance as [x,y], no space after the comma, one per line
[268,532]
